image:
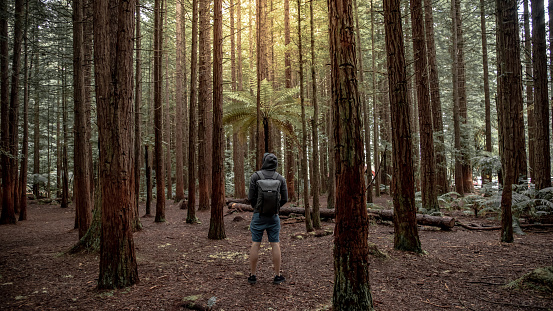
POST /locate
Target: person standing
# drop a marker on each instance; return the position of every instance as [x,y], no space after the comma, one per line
[267,193]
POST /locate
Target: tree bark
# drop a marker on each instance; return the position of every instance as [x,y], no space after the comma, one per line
[204,104]
[238,147]
[376,152]
[406,235]
[191,211]
[428,164]
[158,115]
[351,253]
[304,164]
[83,196]
[542,170]
[137,119]
[435,100]
[148,169]
[510,92]
[113,51]
[179,100]
[289,157]
[216,223]
[25,148]
[261,22]
[9,169]
[365,108]
[528,79]
[459,184]
[487,175]
[462,95]
[314,127]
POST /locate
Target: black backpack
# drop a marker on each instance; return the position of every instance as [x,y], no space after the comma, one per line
[268,194]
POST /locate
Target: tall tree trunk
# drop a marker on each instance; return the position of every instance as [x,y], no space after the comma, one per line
[167,123]
[238,146]
[462,94]
[510,92]
[88,85]
[529,90]
[204,104]
[351,252]
[304,164]
[331,199]
[365,108]
[36,131]
[290,167]
[459,184]
[137,104]
[406,235]
[542,171]
[8,213]
[216,223]
[83,196]
[314,127]
[261,22]
[550,15]
[10,194]
[25,148]
[65,158]
[488,174]
[375,110]
[148,169]
[58,148]
[435,100]
[179,100]
[113,51]
[191,211]
[428,164]
[158,115]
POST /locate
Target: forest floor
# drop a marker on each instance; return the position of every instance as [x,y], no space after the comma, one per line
[461,270]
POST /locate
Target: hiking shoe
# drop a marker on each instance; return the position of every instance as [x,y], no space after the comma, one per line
[252,279]
[279,279]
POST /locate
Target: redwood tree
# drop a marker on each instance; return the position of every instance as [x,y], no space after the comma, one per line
[113,54]
[428,164]
[510,104]
[435,100]
[83,196]
[191,212]
[179,100]
[406,235]
[217,224]
[542,169]
[351,252]
[158,115]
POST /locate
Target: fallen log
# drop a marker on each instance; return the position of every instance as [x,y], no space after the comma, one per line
[444,222]
[475,227]
[233,200]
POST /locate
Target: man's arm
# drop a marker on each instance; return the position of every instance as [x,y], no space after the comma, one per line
[283,191]
[252,191]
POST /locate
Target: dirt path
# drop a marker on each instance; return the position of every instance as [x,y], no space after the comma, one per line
[462,270]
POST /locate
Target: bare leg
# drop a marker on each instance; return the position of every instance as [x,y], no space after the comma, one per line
[254,255]
[276,257]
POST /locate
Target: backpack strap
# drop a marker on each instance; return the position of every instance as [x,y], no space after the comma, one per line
[261,176]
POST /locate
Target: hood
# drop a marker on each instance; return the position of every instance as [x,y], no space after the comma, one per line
[270,162]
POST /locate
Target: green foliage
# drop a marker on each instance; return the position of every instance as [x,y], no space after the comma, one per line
[279,108]
[540,279]
[487,161]
[527,202]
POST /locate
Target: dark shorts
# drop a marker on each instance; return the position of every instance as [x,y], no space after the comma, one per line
[261,223]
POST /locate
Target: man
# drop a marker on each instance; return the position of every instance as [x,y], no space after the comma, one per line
[266,222]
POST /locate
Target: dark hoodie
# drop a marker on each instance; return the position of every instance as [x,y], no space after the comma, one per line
[270,164]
